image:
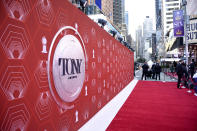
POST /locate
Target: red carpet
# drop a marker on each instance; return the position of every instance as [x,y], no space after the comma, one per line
[157,106]
[172,75]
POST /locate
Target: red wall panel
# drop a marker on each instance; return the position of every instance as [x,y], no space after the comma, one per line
[58,68]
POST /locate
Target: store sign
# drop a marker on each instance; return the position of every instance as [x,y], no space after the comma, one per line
[66,69]
[192,31]
[178,23]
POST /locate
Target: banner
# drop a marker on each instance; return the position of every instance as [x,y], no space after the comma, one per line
[178,23]
[192,31]
[58,68]
[99,3]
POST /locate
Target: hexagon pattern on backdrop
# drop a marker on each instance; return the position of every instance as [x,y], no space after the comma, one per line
[29,98]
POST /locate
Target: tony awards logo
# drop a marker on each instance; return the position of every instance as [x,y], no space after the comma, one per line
[66,68]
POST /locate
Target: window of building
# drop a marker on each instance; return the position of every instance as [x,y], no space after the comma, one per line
[173,4]
[169,22]
[169,18]
[170,13]
[170,9]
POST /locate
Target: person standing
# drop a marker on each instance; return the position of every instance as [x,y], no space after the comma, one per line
[158,70]
[185,75]
[179,71]
[144,70]
[153,70]
[174,64]
[192,68]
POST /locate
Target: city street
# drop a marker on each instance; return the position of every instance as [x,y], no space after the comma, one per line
[163,77]
[76,65]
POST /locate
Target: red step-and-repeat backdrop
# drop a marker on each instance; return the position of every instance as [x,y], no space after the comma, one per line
[58,68]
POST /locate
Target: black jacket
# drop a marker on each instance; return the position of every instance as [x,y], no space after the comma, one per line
[145,68]
[179,69]
[192,67]
[157,68]
[185,72]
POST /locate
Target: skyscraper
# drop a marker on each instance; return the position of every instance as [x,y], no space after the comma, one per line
[139,45]
[158,13]
[118,13]
[147,27]
[158,20]
[107,9]
[147,34]
[106,6]
[168,6]
[127,18]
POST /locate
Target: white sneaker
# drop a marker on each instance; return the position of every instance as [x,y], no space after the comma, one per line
[195,94]
[189,91]
[183,87]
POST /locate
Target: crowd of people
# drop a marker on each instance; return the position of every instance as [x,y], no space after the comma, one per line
[153,72]
[187,76]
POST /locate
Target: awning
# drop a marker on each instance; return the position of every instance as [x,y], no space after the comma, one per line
[173,52]
[169,59]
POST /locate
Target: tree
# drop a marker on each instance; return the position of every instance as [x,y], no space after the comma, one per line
[141,60]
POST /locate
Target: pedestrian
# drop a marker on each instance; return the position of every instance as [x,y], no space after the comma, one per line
[185,76]
[157,70]
[192,68]
[179,71]
[144,70]
[195,84]
[135,66]
[153,70]
[174,64]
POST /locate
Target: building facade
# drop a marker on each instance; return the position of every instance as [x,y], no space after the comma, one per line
[147,35]
[91,8]
[114,10]
[139,41]
[168,6]
[107,9]
[159,27]
[154,47]
[127,19]
[158,14]
[119,14]
[147,27]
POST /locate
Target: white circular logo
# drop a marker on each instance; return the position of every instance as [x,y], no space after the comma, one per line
[66,66]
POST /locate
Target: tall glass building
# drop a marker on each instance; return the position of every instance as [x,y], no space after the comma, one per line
[118,13]
[158,13]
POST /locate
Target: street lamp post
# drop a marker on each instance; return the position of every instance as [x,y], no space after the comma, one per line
[185,30]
